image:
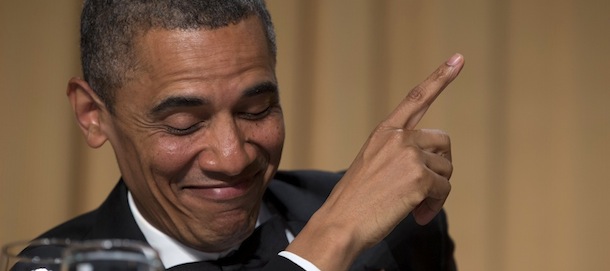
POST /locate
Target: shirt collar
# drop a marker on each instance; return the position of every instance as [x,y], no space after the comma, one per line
[171,251]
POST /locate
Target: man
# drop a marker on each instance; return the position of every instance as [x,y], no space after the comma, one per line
[186,94]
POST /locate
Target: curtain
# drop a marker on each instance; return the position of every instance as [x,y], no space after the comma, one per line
[527,116]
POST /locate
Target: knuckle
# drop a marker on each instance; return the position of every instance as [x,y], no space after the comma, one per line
[442,136]
[387,133]
[419,175]
[440,139]
[449,171]
[445,142]
[417,94]
[417,198]
[385,128]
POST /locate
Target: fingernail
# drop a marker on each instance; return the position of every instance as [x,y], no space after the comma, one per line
[454,60]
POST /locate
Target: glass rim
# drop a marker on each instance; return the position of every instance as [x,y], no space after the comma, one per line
[107,244]
[105,249]
[13,249]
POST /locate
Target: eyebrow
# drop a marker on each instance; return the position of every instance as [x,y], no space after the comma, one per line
[186,101]
[262,88]
[177,101]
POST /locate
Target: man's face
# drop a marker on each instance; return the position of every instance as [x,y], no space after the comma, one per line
[198,131]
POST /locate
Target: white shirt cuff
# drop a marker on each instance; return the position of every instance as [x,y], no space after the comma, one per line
[305,264]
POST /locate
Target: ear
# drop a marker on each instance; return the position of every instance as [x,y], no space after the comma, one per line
[89,111]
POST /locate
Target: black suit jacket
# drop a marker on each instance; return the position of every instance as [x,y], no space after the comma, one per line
[295,195]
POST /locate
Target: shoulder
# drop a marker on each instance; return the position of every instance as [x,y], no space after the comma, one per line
[112,220]
[75,229]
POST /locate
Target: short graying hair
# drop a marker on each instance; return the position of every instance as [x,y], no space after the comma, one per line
[109,28]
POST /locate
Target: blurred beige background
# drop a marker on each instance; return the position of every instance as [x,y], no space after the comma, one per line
[528,115]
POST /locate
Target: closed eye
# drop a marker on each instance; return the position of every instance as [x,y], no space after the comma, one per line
[183,131]
[257,115]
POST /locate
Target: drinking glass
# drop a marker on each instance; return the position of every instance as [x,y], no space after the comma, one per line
[111,255]
[34,255]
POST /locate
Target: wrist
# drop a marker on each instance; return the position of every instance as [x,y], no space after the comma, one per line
[328,244]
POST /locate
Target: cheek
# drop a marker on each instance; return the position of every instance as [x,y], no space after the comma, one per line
[270,137]
[278,137]
[171,156]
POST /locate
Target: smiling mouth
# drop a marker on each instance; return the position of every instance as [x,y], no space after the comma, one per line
[223,192]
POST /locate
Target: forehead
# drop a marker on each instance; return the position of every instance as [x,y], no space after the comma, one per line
[158,49]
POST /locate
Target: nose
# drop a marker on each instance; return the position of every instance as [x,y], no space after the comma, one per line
[226,151]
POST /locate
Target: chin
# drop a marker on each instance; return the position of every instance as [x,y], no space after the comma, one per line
[224,232]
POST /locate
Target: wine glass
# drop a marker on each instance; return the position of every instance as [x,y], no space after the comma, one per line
[34,255]
[111,255]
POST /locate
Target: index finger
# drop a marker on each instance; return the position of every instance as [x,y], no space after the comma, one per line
[413,107]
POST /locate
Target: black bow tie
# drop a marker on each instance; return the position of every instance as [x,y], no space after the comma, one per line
[253,254]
